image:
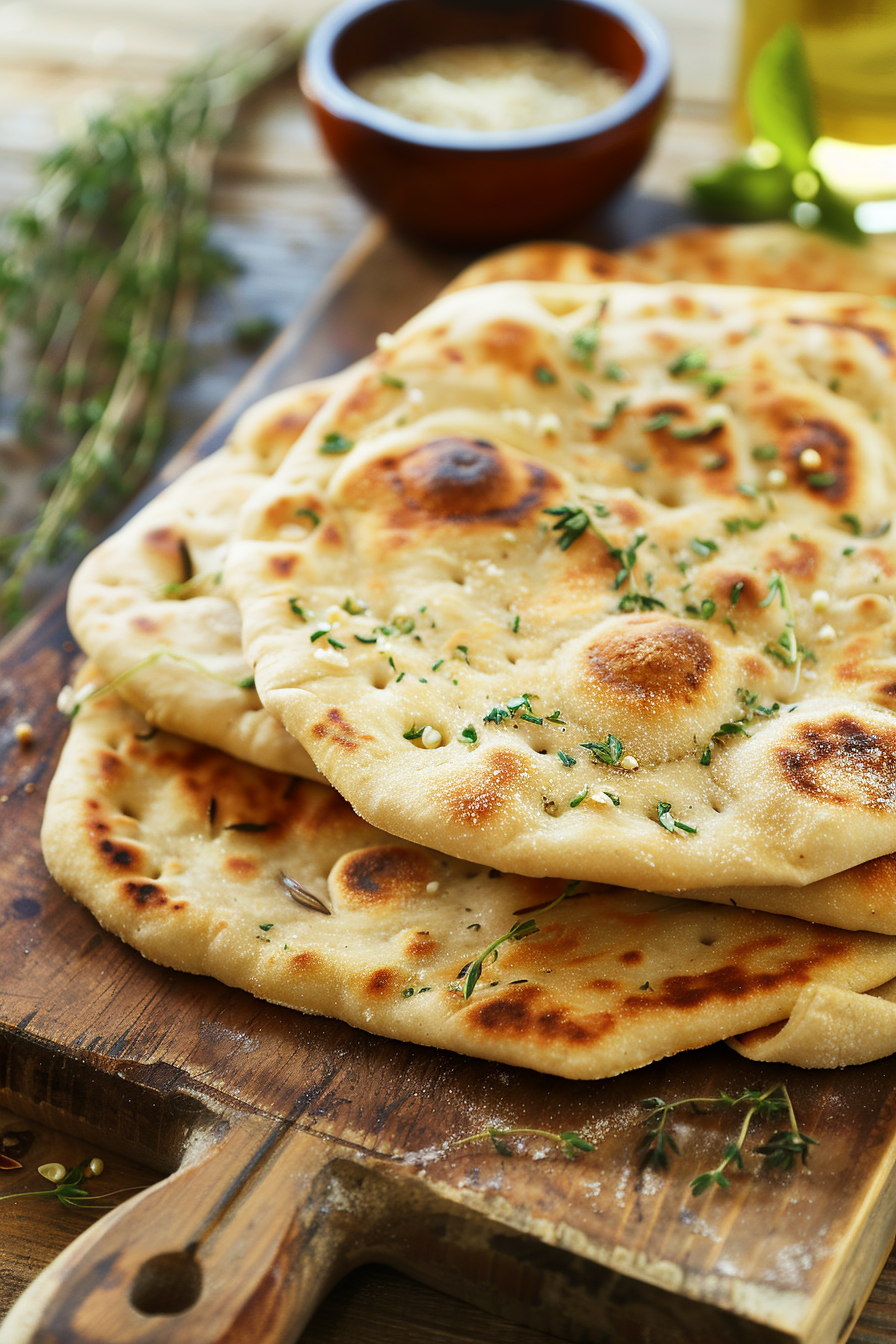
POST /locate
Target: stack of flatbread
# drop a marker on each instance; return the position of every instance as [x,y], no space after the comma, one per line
[528,690]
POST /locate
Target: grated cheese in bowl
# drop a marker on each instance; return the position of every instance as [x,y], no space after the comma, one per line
[491,87]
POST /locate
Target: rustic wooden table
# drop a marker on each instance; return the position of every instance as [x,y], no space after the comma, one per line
[287,217]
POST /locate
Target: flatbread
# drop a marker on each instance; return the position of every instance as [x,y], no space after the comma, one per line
[156,584]
[181,851]
[777,255]
[449,450]
[828,1028]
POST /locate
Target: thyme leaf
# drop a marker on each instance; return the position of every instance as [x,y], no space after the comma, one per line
[609,751]
[573,520]
[670,823]
[609,419]
[335,443]
[570,1143]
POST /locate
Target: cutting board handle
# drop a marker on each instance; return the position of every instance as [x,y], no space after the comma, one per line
[238,1246]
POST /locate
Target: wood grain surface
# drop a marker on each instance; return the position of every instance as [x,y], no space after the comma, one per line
[267,1118]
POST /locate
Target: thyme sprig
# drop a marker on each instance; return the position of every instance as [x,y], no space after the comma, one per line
[102,270]
[787,650]
[609,751]
[573,520]
[779,1152]
[519,704]
[571,1144]
[625,556]
[71,704]
[70,1191]
[472,972]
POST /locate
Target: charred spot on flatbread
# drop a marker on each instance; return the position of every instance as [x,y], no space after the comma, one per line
[650,662]
[147,896]
[841,761]
[460,480]
[383,875]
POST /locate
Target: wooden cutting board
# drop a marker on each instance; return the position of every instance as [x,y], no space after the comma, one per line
[300,1147]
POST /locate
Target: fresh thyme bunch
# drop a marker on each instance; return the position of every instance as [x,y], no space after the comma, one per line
[103,269]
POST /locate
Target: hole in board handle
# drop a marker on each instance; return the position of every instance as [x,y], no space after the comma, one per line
[167,1284]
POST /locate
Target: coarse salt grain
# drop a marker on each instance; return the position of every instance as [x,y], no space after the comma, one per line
[810,459]
[820,600]
[517,415]
[776,478]
[827,634]
[332,656]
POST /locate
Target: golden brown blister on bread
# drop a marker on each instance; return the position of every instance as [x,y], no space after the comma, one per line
[182,852]
[437,570]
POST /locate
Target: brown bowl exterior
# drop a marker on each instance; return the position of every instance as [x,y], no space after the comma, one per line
[464,194]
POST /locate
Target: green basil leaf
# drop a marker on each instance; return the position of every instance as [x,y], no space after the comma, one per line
[780,99]
[742,191]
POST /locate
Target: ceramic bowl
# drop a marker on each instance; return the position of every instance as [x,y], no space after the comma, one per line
[485,187]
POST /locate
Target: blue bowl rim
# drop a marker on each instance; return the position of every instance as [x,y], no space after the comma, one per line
[325,86]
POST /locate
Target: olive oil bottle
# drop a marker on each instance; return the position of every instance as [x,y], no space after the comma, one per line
[851,52]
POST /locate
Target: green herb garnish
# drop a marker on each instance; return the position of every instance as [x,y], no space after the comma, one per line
[640,602]
[102,269]
[544,375]
[703,546]
[780,1151]
[573,520]
[660,420]
[610,751]
[792,653]
[335,443]
[566,759]
[607,423]
[571,1144]
[764,452]
[522,929]
[669,823]
[689,361]
[625,556]
[733,525]
[468,735]
[500,713]
[775,178]
[584,344]
[705,611]
[390,380]
[70,1191]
